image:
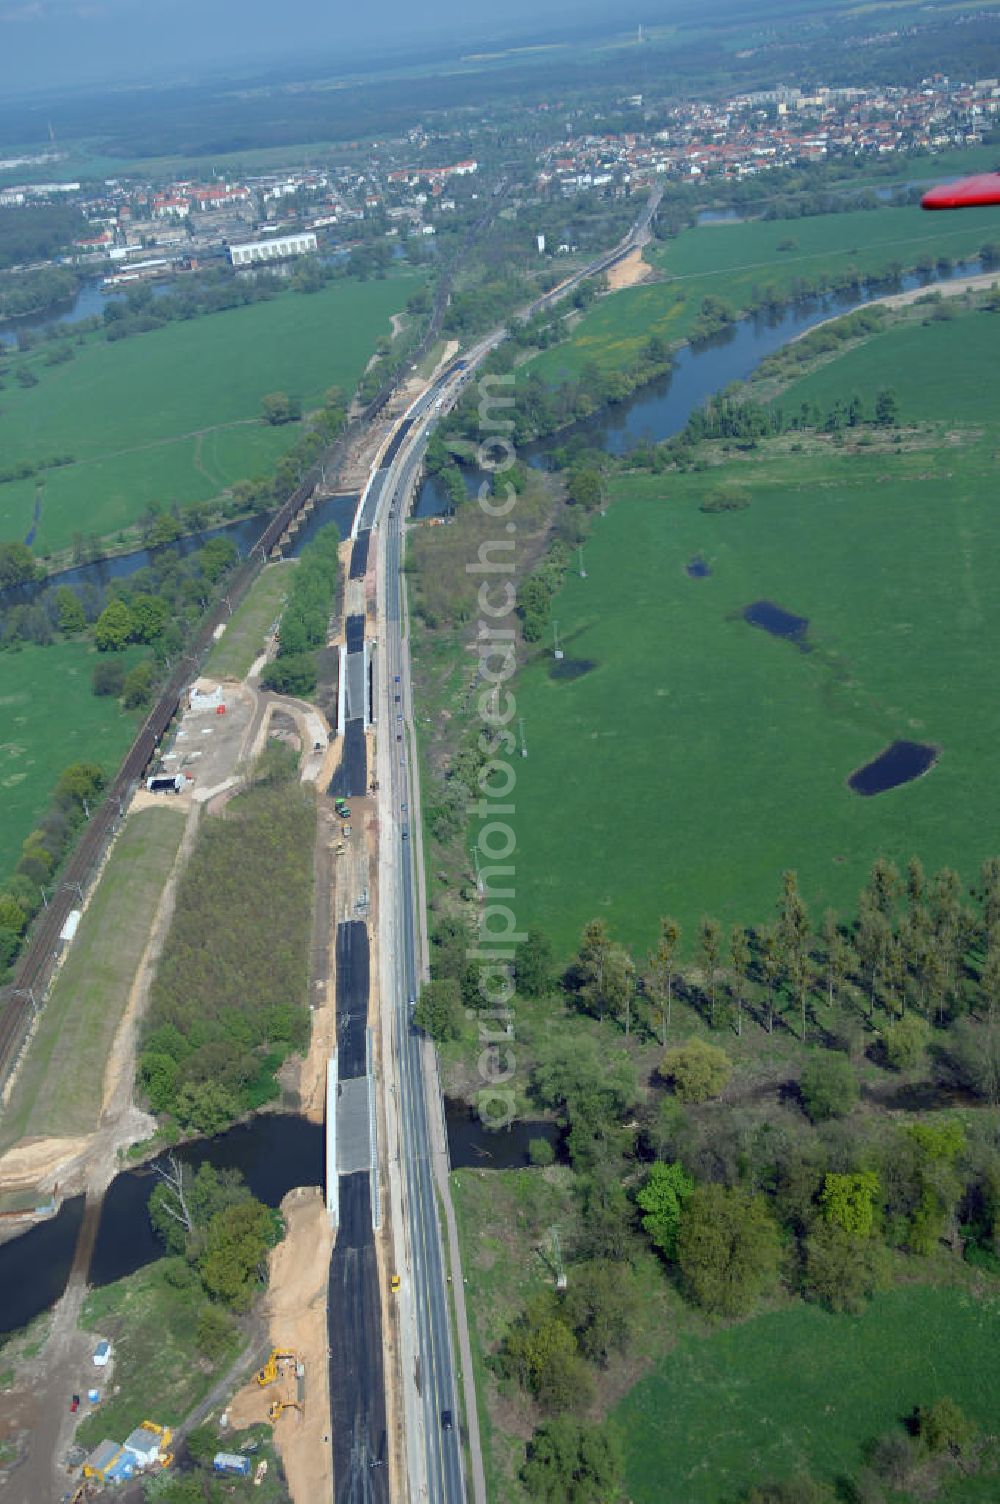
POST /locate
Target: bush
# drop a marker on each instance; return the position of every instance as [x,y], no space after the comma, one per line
[541,1152]
[727,1249]
[697,1070]
[439,1010]
[725,500]
[828,1087]
[842,1271]
[108,678]
[138,685]
[905,1041]
[943,1428]
[294,675]
[213,1335]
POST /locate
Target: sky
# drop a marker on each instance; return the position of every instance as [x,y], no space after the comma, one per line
[56,44]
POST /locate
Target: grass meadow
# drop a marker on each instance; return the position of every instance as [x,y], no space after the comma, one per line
[241,644]
[800,1390]
[943,372]
[59,1090]
[735,260]
[50,718]
[174,415]
[695,757]
[160,1374]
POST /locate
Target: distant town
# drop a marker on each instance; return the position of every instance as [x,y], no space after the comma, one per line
[140,229]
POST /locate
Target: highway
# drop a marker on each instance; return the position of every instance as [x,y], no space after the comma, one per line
[434,1448]
[442,1460]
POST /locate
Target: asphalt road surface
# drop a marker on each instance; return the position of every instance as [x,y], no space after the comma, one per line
[357,1377]
[352,999]
[359,555]
[350,781]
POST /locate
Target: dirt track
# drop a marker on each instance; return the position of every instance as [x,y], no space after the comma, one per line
[629,272]
[296,1310]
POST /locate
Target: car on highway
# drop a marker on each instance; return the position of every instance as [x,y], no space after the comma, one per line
[447,1420]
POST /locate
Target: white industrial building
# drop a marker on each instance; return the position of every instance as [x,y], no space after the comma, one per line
[277,248]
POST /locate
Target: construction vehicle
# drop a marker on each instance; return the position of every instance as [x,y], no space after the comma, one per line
[269,1373]
[279,1406]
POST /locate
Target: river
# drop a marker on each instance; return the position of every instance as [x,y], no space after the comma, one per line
[90,302]
[275,1152]
[661,409]
[243,533]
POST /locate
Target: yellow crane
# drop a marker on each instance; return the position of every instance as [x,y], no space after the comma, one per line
[269,1373]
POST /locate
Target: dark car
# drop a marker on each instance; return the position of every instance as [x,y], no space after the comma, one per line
[447,1420]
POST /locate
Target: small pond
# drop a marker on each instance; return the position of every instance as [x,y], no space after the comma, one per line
[474,1147]
[697,569]
[899,763]
[778,621]
[570,668]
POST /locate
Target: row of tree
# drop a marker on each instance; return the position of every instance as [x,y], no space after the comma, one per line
[305,620]
[157,606]
[919,945]
[76,794]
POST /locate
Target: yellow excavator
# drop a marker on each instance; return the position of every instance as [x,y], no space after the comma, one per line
[279,1405]
[269,1373]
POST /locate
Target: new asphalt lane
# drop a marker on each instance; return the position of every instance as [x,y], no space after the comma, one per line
[357,1376]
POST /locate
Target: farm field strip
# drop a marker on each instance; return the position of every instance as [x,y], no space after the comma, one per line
[243,640]
[59,1090]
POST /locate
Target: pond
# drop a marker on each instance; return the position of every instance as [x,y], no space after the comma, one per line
[778,621]
[901,762]
[697,569]
[471,1146]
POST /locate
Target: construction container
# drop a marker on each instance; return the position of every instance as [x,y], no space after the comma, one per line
[230,1462]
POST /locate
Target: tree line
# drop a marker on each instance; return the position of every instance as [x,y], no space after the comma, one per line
[158,606]
[305,620]
[22,895]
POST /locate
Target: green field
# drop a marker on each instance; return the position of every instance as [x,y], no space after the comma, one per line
[50,719]
[59,1089]
[800,1390]
[247,629]
[736,260]
[941,372]
[174,415]
[700,756]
